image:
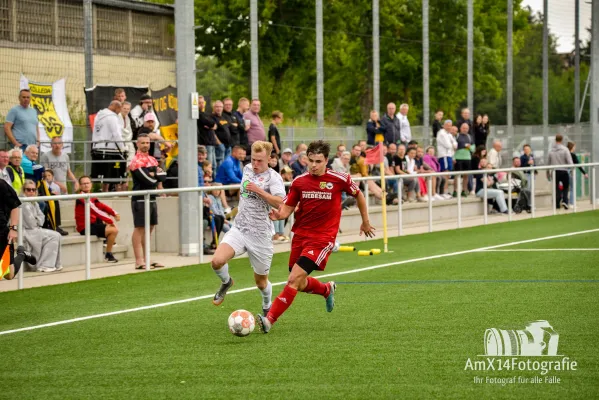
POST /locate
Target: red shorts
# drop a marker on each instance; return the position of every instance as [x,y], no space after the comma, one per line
[315,249]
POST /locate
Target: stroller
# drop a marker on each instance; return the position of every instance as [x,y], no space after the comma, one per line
[520,196]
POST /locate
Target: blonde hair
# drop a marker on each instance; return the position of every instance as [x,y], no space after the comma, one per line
[260,146]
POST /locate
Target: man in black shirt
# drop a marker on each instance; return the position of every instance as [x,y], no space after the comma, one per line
[273,133]
[223,134]
[437,123]
[242,106]
[206,128]
[234,125]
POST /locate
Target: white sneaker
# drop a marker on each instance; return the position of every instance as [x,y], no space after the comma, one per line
[423,199]
[59,268]
[448,196]
[46,269]
[438,197]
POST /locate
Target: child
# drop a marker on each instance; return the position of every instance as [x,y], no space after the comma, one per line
[52,186]
[208,172]
[218,213]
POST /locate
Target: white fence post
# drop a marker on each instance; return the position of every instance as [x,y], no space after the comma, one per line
[147,230]
[88,245]
[201,223]
[574,184]
[399,206]
[509,195]
[485,200]
[593,188]
[459,196]
[553,192]
[532,194]
[430,203]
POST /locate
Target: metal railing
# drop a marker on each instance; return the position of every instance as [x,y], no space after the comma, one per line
[399,178]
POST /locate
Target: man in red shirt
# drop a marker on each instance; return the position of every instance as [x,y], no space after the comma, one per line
[317,218]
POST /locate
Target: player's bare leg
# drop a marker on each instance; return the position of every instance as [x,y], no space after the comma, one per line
[221,257]
[265,288]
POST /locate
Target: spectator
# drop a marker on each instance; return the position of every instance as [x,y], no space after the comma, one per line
[375,170]
[243,105]
[572,148]
[231,170]
[438,182]
[217,213]
[139,112]
[437,123]
[22,125]
[478,155]
[107,149]
[273,162]
[412,180]
[332,157]
[202,155]
[203,165]
[286,158]
[392,125]
[401,168]
[300,166]
[59,163]
[15,172]
[463,158]
[232,121]
[560,155]
[465,119]
[208,172]
[44,244]
[52,186]
[412,144]
[299,149]
[156,139]
[147,175]
[253,124]
[120,95]
[223,134]
[406,133]
[206,131]
[127,136]
[273,132]
[363,146]
[492,192]
[102,219]
[527,160]
[446,146]
[481,131]
[391,151]
[374,127]
[341,164]
[4,162]
[494,155]
[32,170]
[358,167]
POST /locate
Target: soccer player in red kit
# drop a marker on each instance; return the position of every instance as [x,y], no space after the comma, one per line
[318,193]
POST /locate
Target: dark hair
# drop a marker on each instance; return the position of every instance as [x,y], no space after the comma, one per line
[526,145]
[84,177]
[50,172]
[479,150]
[515,158]
[144,130]
[439,110]
[571,145]
[145,97]
[319,147]
[413,142]
[238,147]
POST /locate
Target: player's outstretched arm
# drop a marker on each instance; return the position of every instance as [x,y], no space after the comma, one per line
[283,212]
[272,200]
[365,227]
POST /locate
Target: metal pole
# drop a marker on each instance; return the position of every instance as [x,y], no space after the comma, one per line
[88,42]
[553,192]
[319,70]
[510,67]
[429,184]
[88,244]
[376,71]
[595,86]
[584,94]
[593,188]
[576,61]
[471,56]
[20,243]
[399,208]
[459,196]
[532,194]
[509,192]
[573,199]
[425,75]
[485,200]
[545,67]
[367,199]
[188,156]
[254,45]
[147,230]
[201,224]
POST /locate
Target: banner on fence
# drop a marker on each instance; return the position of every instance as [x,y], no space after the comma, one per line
[100,96]
[166,108]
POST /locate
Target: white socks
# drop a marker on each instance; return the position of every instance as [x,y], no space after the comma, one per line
[223,273]
[267,295]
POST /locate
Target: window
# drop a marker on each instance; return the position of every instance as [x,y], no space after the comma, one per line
[70,23]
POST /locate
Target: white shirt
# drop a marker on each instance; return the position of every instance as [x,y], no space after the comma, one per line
[411,167]
[494,158]
[4,176]
[406,132]
[107,131]
[446,144]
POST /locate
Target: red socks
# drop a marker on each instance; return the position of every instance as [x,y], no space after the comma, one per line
[281,303]
[314,286]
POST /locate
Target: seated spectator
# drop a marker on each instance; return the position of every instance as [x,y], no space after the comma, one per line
[44,244]
[4,162]
[285,158]
[230,172]
[492,192]
[494,155]
[363,146]
[102,219]
[299,149]
[375,170]
[273,162]
[413,171]
[400,168]
[412,144]
[300,166]
[341,164]
[207,172]
[332,157]
[32,170]
[373,128]
[478,155]
[438,183]
[14,170]
[391,152]
[359,168]
[52,186]
[217,213]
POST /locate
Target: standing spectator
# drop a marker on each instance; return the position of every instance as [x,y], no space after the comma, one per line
[463,158]
[231,171]
[560,155]
[4,162]
[481,131]
[527,159]
[139,111]
[392,125]
[243,105]
[299,149]
[492,193]
[494,155]
[102,219]
[446,147]
[465,119]
[572,148]
[22,126]
[234,125]
[44,244]
[59,163]
[107,149]
[206,131]
[120,95]
[300,166]
[253,124]
[147,175]
[156,139]
[273,162]
[374,127]
[273,133]
[15,172]
[406,132]
[127,136]
[437,123]
[286,157]
[223,134]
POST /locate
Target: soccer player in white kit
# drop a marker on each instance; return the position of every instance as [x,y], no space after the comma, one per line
[252,231]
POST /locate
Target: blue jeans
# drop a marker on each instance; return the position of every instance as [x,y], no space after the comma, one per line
[221,152]
[280,227]
[494,194]
[211,157]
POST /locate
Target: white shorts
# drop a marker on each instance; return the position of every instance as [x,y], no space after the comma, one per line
[259,250]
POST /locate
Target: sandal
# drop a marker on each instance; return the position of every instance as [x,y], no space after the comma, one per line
[157,265]
[140,267]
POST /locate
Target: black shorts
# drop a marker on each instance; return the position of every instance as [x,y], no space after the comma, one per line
[463,165]
[98,229]
[108,165]
[137,208]
[4,243]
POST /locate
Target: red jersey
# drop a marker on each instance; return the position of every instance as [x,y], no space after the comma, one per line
[319,199]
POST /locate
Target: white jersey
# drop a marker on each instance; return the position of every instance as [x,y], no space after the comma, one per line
[252,217]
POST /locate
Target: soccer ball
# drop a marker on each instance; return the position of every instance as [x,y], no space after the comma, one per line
[241,323]
[336,247]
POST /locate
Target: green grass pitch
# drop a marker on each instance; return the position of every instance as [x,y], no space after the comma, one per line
[400,331]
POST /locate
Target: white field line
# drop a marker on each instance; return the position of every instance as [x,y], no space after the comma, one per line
[353,271]
[541,250]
